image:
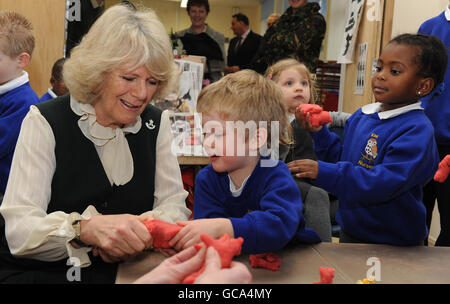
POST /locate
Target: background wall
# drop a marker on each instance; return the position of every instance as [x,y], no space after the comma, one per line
[410,14]
[337,10]
[47,18]
[175,17]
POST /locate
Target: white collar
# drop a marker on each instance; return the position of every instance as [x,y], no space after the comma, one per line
[115,153]
[52,94]
[244,36]
[15,83]
[376,108]
[291,117]
[447,12]
[237,192]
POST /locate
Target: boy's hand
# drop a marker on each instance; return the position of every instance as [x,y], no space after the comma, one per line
[304,168]
[305,121]
[190,234]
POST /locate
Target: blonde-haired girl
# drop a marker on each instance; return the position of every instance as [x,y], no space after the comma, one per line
[298,87]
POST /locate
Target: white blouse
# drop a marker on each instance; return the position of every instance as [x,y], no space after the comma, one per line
[30,231]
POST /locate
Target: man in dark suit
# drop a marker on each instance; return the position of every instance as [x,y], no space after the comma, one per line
[243,46]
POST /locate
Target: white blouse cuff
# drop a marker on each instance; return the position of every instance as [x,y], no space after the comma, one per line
[78,257]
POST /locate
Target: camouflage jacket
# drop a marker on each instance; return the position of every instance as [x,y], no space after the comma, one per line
[298,35]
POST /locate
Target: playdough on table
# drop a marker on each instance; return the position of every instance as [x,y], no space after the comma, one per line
[326,275]
[268,260]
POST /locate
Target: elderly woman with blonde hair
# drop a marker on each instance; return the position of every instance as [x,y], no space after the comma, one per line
[91,166]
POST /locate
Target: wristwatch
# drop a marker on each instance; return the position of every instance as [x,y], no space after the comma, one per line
[77,227]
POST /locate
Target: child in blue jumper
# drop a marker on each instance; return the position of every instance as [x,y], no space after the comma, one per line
[438,111]
[56,80]
[16,94]
[389,151]
[243,193]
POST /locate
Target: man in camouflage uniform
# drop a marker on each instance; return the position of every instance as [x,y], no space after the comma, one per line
[297,34]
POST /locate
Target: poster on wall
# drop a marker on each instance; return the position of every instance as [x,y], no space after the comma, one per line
[361,69]
[189,87]
[187,134]
[351,31]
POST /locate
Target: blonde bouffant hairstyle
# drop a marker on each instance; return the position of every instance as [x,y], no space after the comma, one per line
[273,72]
[247,96]
[122,35]
[16,34]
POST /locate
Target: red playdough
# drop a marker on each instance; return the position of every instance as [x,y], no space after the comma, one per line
[162,232]
[225,246]
[317,116]
[326,275]
[267,260]
[443,170]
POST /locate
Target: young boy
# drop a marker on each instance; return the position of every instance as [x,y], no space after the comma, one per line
[58,87]
[243,193]
[16,95]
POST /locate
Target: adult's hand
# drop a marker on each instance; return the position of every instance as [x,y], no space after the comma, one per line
[115,237]
[173,270]
[238,273]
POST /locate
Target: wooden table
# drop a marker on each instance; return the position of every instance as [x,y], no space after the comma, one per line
[300,264]
[193,160]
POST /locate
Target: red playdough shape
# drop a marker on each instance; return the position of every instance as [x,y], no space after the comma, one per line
[267,260]
[443,170]
[317,116]
[225,246]
[162,232]
[326,275]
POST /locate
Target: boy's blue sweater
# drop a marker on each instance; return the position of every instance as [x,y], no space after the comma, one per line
[379,186]
[14,105]
[438,110]
[267,214]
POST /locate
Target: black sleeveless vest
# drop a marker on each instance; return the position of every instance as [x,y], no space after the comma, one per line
[80,180]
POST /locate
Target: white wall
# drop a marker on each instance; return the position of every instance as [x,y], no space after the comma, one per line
[335,26]
[410,14]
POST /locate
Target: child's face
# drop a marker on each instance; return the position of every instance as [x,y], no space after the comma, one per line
[227,147]
[9,68]
[295,88]
[396,79]
[59,87]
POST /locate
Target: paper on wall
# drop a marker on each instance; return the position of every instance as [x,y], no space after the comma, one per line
[351,31]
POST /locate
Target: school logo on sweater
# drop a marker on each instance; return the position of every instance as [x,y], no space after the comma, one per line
[370,153]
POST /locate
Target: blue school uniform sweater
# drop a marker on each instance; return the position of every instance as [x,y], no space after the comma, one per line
[46,97]
[438,109]
[378,175]
[14,105]
[267,214]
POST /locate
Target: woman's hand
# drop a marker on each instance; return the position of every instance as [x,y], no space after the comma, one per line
[173,270]
[115,237]
[305,122]
[304,168]
[238,273]
[190,234]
